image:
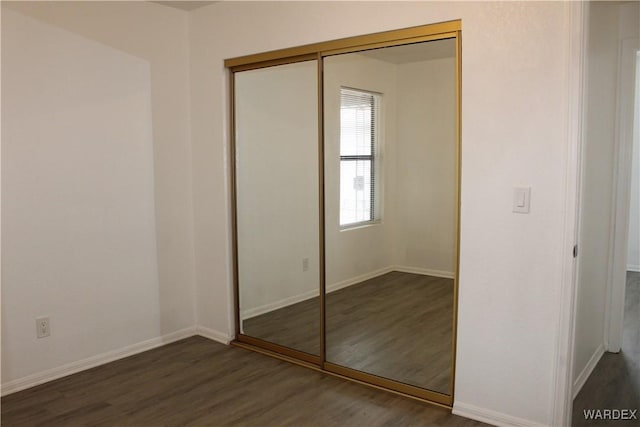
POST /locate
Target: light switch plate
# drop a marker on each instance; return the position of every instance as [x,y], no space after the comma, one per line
[521,199]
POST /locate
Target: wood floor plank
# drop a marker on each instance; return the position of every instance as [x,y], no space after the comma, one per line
[197,382]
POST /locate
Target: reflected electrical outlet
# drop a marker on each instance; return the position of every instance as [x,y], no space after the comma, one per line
[305,264]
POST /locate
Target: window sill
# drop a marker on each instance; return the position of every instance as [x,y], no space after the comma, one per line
[358,225]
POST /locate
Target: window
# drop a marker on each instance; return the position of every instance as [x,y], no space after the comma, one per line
[358,146]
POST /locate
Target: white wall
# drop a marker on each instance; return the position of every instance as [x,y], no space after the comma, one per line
[277,182]
[97,225]
[426,166]
[515,133]
[633,254]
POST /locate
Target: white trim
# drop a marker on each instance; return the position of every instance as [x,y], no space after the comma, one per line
[402,269]
[424,271]
[213,335]
[491,417]
[357,279]
[588,369]
[275,305]
[634,268]
[224,103]
[93,361]
[561,396]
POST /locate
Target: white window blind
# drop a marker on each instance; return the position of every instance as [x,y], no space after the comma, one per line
[358,115]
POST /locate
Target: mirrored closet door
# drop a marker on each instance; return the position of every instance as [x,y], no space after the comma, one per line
[390,211]
[345,190]
[277,210]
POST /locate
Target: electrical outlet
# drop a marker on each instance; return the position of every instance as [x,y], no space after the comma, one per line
[43,328]
[305,264]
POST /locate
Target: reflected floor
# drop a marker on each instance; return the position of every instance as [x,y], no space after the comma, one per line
[397,325]
[295,326]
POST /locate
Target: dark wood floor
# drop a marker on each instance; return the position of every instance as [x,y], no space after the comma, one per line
[397,325]
[615,382]
[197,382]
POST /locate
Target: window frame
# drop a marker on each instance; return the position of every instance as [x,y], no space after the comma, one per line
[374,158]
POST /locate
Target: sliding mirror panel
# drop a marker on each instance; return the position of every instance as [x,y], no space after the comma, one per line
[277,208]
[391,209]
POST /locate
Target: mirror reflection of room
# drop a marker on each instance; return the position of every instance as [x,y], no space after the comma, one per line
[276,118]
[391,211]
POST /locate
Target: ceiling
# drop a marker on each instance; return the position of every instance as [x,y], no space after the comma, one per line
[414,52]
[185,5]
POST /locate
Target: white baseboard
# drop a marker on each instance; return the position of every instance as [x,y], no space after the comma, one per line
[93,361]
[634,268]
[588,369]
[285,302]
[424,271]
[357,279]
[213,335]
[491,417]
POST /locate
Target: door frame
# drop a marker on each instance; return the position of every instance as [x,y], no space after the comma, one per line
[561,400]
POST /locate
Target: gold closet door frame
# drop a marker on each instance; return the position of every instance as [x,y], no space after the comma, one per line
[318,51]
[247,341]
